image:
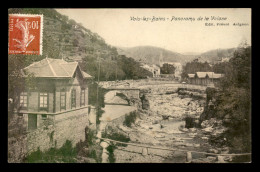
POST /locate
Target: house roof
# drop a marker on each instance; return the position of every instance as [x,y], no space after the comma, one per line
[85,75]
[191,75]
[203,74]
[54,68]
[216,75]
[209,74]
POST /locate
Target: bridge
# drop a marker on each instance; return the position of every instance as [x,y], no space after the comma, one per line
[124,96]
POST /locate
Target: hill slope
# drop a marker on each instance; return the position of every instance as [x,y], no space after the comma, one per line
[151,55]
[214,55]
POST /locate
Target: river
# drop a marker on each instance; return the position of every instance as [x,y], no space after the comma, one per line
[151,129]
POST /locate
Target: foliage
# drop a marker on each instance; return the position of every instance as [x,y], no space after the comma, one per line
[130,118]
[90,137]
[110,133]
[111,157]
[233,101]
[167,69]
[66,154]
[223,67]
[131,68]
[97,102]
[195,66]
[95,152]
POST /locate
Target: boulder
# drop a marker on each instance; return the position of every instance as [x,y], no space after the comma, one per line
[213,151]
[159,136]
[212,158]
[204,138]
[165,117]
[145,126]
[184,129]
[192,129]
[192,134]
[104,144]
[188,144]
[196,145]
[208,129]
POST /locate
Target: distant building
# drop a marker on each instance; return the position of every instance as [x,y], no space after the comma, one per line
[204,78]
[152,68]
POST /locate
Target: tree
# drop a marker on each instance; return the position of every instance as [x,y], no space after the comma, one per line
[195,66]
[233,103]
[167,69]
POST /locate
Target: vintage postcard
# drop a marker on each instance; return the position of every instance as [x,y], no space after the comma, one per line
[129,85]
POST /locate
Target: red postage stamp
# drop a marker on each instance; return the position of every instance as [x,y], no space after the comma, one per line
[25,34]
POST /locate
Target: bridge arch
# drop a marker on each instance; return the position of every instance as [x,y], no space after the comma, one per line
[122,96]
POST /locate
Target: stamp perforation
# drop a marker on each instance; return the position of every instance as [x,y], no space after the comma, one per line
[40,34]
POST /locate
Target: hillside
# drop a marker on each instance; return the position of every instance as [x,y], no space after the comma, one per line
[151,55]
[214,55]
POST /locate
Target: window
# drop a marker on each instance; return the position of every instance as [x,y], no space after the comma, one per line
[73,98]
[32,121]
[23,100]
[63,99]
[43,101]
[44,116]
[82,97]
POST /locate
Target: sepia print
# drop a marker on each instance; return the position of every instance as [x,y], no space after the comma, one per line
[129,85]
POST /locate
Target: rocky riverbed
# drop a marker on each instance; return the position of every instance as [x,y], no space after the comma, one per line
[163,125]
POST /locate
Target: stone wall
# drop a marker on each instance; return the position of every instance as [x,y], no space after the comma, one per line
[59,128]
[51,132]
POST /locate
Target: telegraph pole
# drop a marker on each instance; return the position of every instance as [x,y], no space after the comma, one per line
[116,70]
[98,75]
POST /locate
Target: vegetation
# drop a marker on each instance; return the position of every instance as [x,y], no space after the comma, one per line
[115,68]
[130,118]
[167,69]
[97,102]
[232,103]
[111,157]
[113,134]
[66,154]
[195,66]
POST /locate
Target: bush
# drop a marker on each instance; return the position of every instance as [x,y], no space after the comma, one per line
[130,119]
[66,154]
[112,134]
[110,150]
[90,136]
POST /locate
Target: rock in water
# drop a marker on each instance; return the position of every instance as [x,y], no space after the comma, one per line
[196,145]
[204,138]
[221,159]
[104,144]
[144,151]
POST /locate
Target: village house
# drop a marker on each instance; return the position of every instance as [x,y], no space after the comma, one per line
[204,78]
[154,69]
[56,109]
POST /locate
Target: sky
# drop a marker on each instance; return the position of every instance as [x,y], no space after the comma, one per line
[180,35]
